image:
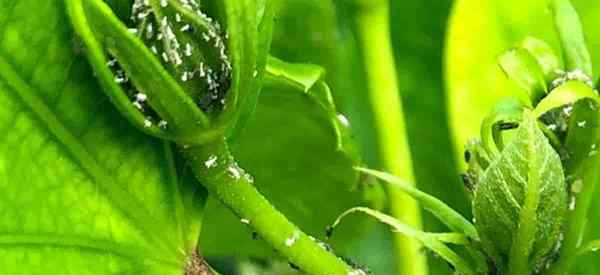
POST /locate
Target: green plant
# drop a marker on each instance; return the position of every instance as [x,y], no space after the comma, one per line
[144,205]
[158,136]
[531,188]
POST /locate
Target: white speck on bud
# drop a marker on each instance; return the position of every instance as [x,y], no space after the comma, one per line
[149,31]
[147,123]
[234,171]
[162,124]
[255,74]
[211,162]
[111,62]
[120,79]
[572,203]
[138,105]
[552,127]
[344,120]
[357,272]
[577,74]
[292,239]
[581,124]
[163,3]
[205,37]
[592,150]
[188,49]
[576,186]
[568,110]
[141,97]
[249,177]
[245,221]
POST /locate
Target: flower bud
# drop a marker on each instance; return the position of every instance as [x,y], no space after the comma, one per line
[520,203]
[174,71]
[190,45]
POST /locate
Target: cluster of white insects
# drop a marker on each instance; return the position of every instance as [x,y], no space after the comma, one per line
[576,74]
[191,47]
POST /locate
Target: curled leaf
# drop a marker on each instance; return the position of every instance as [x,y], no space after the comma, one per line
[520,66]
[506,115]
[545,56]
[566,94]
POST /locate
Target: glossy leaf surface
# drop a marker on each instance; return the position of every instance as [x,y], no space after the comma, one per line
[82,191]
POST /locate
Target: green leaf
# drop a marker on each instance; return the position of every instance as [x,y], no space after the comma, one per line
[545,57]
[433,241]
[82,192]
[566,94]
[590,247]
[301,156]
[520,66]
[570,32]
[520,203]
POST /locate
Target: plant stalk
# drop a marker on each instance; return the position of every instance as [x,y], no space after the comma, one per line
[576,219]
[373,31]
[216,169]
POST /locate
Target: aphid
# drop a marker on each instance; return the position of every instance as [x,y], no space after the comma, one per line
[138,105]
[467,156]
[141,97]
[344,120]
[292,239]
[234,172]
[467,182]
[211,162]
[508,125]
[576,186]
[328,231]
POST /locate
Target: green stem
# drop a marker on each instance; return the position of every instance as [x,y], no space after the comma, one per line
[577,218]
[373,31]
[217,170]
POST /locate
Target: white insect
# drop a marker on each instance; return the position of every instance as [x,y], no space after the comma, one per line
[162,124]
[292,239]
[234,172]
[147,123]
[211,162]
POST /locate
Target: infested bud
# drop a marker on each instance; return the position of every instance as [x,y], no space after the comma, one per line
[189,44]
[178,70]
[520,201]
